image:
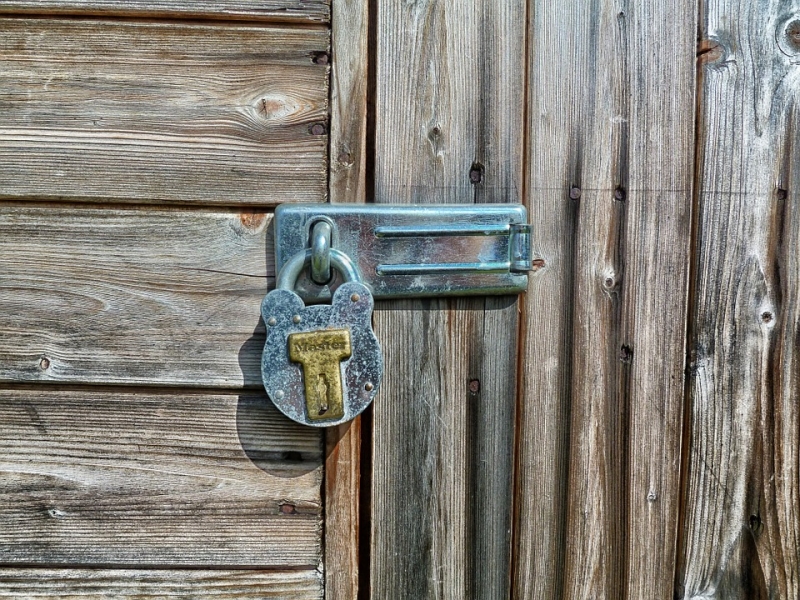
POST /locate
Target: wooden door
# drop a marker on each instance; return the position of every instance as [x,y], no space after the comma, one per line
[531,447]
[624,430]
[656,382]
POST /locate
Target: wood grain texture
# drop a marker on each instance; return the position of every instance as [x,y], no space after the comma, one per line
[442,453]
[163,297]
[275,10]
[449,102]
[144,478]
[449,98]
[348,135]
[342,507]
[346,183]
[161,112]
[611,115]
[135,584]
[742,517]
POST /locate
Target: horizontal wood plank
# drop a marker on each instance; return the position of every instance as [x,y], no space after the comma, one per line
[130,584]
[134,478]
[163,297]
[280,10]
[164,112]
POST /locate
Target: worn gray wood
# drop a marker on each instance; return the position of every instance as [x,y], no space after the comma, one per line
[349,101]
[742,516]
[611,95]
[346,183]
[276,10]
[442,451]
[156,296]
[449,101]
[137,584]
[449,96]
[342,510]
[148,478]
[133,111]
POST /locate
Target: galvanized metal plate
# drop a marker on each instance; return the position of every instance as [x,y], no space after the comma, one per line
[406,251]
[285,313]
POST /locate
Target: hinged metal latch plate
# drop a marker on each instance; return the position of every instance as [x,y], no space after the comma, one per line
[409,251]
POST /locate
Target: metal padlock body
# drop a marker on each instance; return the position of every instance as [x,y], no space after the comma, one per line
[285,313]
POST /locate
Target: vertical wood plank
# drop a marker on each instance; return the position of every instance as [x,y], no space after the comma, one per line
[348,135]
[449,95]
[449,107]
[342,494]
[741,531]
[347,183]
[442,451]
[492,436]
[609,191]
[657,258]
[419,494]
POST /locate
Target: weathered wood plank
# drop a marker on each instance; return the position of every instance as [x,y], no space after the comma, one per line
[442,451]
[610,178]
[161,112]
[449,92]
[349,101]
[132,584]
[450,101]
[280,10]
[655,282]
[742,517]
[342,506]
[420,453]
[346,183]
[135,478]
[491,397]
[166,297]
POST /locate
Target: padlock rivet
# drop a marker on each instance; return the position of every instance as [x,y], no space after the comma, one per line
[296,318]
[272,321]
[368,386]
[355,297]
[279,394]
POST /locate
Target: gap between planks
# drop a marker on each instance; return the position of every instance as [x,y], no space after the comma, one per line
[39,202]
[153,390]
[209,21]
[156,567]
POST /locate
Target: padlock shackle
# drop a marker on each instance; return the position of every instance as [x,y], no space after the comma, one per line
[290,272]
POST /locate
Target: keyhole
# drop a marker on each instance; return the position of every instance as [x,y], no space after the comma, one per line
[322,393]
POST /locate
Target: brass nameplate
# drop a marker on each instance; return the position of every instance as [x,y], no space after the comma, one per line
[320,353]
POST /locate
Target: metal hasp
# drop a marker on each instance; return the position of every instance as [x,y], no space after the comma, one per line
[409,251]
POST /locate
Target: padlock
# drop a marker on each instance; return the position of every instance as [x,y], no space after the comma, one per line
[322,364]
